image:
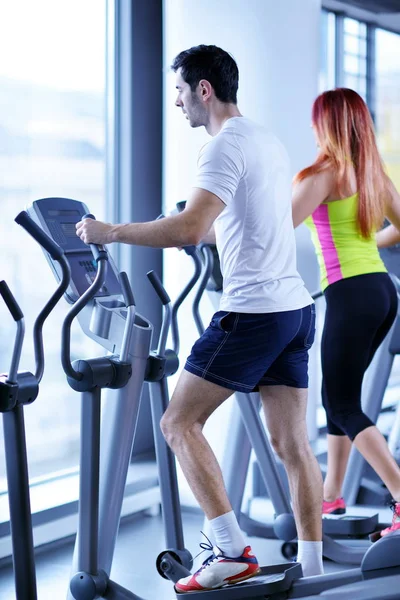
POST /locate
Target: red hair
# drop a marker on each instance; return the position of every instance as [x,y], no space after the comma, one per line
[347,141]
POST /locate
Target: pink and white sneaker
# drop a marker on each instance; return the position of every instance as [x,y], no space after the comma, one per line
[337,507]
[395,526]
[219,570]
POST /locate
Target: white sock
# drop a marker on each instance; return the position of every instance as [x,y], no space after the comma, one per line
[310,556]
[208,532]
[228,535]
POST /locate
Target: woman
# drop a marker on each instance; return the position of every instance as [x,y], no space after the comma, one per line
[344,197]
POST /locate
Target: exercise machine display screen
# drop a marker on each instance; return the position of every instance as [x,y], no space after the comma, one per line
[83,270]
[61,215]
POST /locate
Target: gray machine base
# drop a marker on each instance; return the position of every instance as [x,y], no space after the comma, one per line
[386,588]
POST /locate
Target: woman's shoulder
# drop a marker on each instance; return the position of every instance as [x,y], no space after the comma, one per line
[323,180]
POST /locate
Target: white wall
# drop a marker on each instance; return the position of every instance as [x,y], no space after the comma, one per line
[276,46]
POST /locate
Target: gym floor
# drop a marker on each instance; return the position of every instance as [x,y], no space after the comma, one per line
[139,542]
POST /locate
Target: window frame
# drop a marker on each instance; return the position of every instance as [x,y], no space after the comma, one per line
[372,24]
[128,24]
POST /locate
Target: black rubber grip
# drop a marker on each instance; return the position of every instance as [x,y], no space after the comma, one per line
[11,302]
[190,250]
[98,251]
[317,295]
[181,205]
[126,289]
[158,286]
[23,219]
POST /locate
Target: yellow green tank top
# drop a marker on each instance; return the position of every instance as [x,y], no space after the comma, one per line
[341,250]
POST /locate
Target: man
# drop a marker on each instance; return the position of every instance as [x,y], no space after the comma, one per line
[261,336]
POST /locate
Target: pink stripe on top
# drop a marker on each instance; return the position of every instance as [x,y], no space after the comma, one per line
[329,252]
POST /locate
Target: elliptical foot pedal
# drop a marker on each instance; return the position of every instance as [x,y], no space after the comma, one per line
[350,525]
[272,580]
[375,536]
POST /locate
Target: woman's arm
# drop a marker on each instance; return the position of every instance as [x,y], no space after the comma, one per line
[309,194]
[391,234]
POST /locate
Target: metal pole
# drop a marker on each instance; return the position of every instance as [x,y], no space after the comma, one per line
[89,482]
[20,506]
[166,468]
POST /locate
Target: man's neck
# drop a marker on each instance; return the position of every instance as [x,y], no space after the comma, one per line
[220,116]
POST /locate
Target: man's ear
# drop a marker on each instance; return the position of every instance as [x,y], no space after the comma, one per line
[205,89]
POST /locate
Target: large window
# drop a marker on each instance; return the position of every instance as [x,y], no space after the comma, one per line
[387,66]
[363,57]
[52,143]
[328,58]
[355,56]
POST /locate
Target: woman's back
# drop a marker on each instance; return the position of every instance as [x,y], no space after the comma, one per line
[341,249]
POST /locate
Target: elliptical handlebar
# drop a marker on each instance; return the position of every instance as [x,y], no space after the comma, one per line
[101,257]
[205,276]
[10,302]
[131,313]
[317,295]
[98,250]
[18,317]
[126,289]
[23,219]
[58,254]
[198,265]
[167,317]
[159,288]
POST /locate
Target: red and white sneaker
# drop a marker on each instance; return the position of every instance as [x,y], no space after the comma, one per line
[395,526]
[219,570]
[337,507]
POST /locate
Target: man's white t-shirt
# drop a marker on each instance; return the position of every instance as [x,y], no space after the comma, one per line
[248,169]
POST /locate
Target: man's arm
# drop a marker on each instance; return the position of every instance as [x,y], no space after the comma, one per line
[210,238]
[187,228]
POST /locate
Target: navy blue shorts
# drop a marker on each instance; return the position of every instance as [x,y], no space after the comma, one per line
[242,351]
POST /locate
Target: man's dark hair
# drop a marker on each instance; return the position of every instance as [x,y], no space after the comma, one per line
[210,63]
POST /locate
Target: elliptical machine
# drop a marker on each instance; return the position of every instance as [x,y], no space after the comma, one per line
[103,303]
[381,560]
[103,316]
[18,389]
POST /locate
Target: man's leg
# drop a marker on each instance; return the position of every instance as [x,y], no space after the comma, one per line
[193,401]
[285,414]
